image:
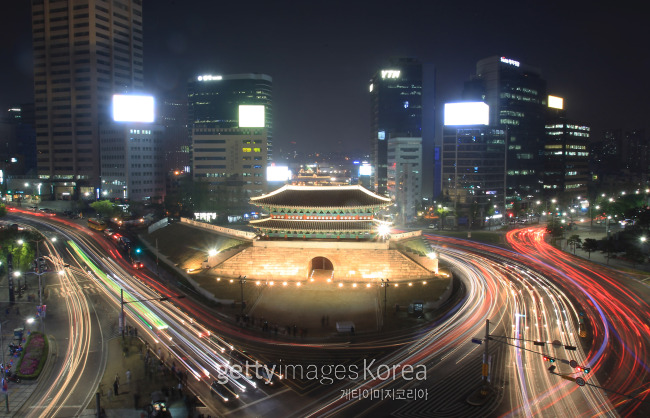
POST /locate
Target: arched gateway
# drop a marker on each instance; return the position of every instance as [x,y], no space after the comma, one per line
[320,268]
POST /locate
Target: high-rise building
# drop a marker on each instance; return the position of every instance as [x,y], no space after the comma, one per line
[566,158]
[132,162]
[18,142]
[402,97]
[231,129]
[516,94]
[84,52]
[472,160]
[176,136]
[405,176]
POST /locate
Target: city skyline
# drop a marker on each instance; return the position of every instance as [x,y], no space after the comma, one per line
[322,56]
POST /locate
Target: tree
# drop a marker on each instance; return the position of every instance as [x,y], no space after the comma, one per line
[608,248]
[635,255]
[3,211]
[574,240]
[105,208]
[590,245]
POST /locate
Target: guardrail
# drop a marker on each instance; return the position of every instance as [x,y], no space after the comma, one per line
[227,231]
[160,224]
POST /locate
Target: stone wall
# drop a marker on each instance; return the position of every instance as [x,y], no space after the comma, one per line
[361,265]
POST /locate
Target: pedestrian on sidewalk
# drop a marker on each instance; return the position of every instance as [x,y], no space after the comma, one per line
[116,386]
[128,377]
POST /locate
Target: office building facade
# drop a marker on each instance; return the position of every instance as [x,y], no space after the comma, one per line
[400,109]
[84,52]
[566,158]
[472,168]
[516,94]
[231,132]
[132,162]
[405,177]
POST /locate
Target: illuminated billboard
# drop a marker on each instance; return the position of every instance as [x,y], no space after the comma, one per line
[467,113]
[365,170]
[278,173]
[251,116]
[555,102]
[131,108]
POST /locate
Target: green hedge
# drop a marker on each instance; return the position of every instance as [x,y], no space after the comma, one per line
[31,352]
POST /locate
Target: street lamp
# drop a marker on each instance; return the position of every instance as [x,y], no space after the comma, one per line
[385,284]
[242,280]
[122,303]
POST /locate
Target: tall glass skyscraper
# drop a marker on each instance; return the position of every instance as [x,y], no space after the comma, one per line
[516,94]
[400,94]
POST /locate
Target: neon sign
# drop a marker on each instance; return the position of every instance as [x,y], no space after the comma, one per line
[390,73]
[509,61]
[209,77]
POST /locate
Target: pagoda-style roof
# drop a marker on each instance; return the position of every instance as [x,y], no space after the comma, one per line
[290,196]
[313,225]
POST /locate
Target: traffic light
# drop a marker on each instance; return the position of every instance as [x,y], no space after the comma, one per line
[585,370]
[549,359]
[138,250]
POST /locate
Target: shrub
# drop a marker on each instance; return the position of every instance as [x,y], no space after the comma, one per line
[33,357]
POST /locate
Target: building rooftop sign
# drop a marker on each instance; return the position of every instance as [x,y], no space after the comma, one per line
[390,73]
[509,61]
[208,77]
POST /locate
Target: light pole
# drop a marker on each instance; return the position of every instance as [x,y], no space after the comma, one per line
[242,280]
[385,284]
[122,303]
[40,291]
[2,344]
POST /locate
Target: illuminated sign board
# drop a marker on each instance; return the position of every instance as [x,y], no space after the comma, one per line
[208,77]
[365,170]
[131,108]
[467,113]
[381,135]
[372,86]
[278,173]
[390,73]
[555,102]
[251,116]
[509,61]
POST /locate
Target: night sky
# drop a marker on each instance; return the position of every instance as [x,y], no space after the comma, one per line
[321,55]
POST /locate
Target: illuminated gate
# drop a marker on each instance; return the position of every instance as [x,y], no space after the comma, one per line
[320,268]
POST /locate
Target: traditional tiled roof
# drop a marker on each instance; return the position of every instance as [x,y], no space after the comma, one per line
[313,225]
[321,197]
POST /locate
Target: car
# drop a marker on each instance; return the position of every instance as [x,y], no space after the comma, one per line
[108,232]
[33,208]
[223,392]
[138,264]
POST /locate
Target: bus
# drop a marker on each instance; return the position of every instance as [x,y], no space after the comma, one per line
[96,224]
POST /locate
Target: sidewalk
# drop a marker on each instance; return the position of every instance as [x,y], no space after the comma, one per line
[596,232]
[135,395]
[13,317]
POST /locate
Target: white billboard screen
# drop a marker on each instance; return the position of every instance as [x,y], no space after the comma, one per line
[251,116]
[467,113]
[555,102]
[278,173]
[365,170]
[129,108]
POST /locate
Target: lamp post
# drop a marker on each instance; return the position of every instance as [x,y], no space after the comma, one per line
[242,280]
[2,344]
[122,303]
[643,241]
[385,284]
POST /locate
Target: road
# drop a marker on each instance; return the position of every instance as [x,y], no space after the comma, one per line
[525,298]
